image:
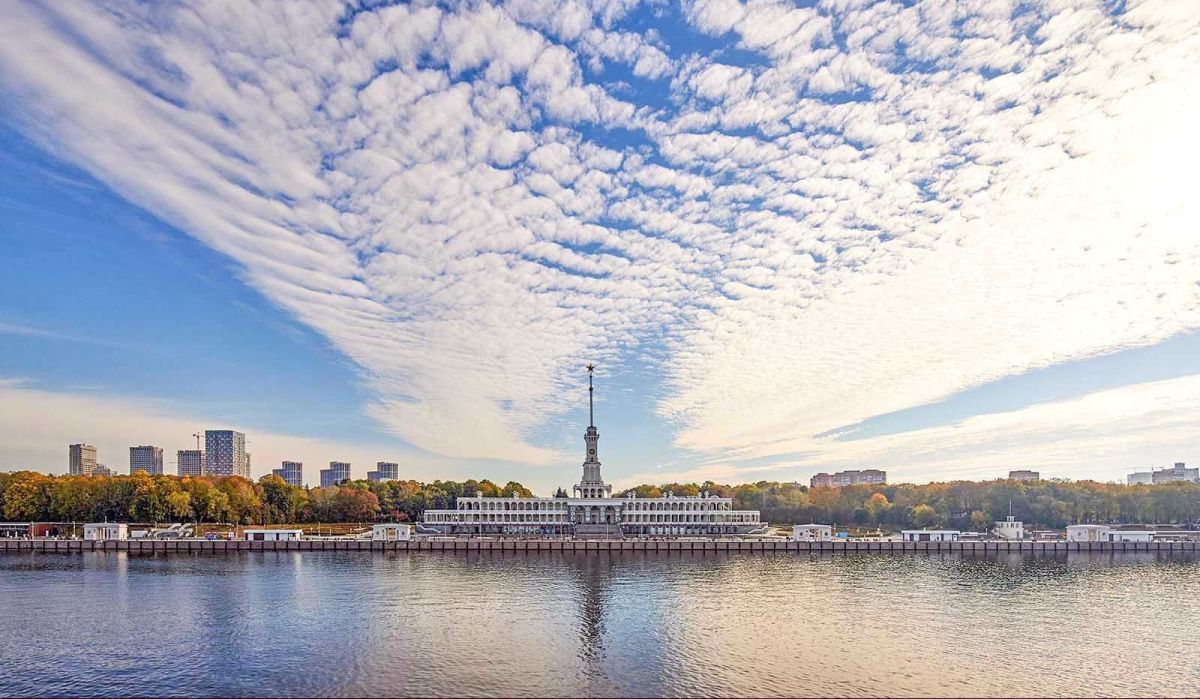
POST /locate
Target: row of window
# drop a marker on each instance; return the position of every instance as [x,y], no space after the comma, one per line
[633,505]
[447,517]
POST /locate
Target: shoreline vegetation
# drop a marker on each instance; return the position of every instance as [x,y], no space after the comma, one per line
[966,505]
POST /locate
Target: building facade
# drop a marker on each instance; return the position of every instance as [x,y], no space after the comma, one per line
[146,458]
[812,532]
[102,470]
[1088,532]
[337,472]
[272,534]
[1010,529]
[930,534]
[292,472]
[1141,478]
[384,471]
[1176,474]
[81,459]
[869,476]
[105,531]
[190,462]
[1024,475]
[225,454]
[593,511]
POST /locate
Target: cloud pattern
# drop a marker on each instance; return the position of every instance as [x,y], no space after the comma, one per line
[801,217]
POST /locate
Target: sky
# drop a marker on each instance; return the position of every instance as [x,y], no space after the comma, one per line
[943,239]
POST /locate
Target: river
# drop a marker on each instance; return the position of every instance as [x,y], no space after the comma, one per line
[598,624]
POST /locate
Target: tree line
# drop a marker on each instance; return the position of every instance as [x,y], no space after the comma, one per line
[33,496]
[967,505]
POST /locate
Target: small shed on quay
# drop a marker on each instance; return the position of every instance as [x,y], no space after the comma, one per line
[812,532]
[105,531]
[1088,532]
[930,535]
[391,532]
[272,534]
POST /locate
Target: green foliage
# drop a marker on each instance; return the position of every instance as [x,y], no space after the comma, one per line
[959,504]
[27,495]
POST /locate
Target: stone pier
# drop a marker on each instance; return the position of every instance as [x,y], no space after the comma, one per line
[534,546]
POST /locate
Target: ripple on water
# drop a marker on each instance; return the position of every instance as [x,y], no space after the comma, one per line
[340,624]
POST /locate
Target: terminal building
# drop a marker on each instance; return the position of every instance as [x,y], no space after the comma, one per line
[592,510]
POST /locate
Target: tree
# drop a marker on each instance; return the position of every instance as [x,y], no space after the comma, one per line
[922,516]
[145,505]
[27,497]
[980,520]
[280,501]
[513,489]
[179,505]
[216,505]
[355,505]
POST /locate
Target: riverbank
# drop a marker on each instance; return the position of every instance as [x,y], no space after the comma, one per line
[540,545]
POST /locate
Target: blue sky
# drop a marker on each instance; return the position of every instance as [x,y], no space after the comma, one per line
[940,239]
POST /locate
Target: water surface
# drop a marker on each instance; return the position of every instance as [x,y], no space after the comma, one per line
[598,624]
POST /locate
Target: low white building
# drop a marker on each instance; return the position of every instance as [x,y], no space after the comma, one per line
[812,532]
[1119,535]
[930,534]
[391,532]
[1088,532]
[105,531]
[272,534]
[1010,529]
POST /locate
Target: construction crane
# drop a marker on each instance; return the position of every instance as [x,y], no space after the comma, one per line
[197,435]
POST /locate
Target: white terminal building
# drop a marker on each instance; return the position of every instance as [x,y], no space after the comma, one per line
[593,511]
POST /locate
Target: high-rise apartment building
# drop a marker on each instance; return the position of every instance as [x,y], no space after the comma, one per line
[191,462]
[337,472]
[82,459]
[146,458]
[292,472]
[384,471]
[821,480]
[225,454]
[867,476]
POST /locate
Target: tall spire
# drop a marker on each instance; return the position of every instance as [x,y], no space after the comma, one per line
[591,368]
[592,485]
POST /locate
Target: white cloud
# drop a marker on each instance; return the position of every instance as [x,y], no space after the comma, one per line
[865,207]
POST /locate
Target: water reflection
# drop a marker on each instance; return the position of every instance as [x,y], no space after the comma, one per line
[632,624]
[593,578]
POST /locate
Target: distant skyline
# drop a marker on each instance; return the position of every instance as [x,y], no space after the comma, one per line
[945,240]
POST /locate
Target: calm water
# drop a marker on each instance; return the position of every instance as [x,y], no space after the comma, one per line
[573,624]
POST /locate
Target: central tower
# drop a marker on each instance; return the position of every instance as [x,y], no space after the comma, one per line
[592,485]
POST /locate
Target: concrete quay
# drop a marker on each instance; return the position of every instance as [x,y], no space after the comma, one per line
[534,546]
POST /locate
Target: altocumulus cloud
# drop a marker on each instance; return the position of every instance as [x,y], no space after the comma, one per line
[845,210]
